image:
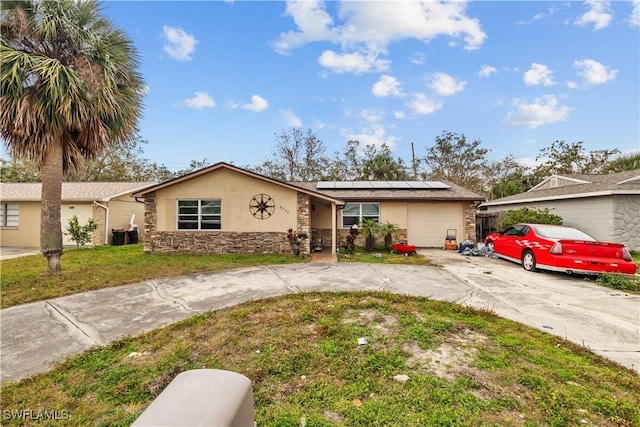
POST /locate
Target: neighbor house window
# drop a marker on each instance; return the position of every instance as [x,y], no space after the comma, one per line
[199,214]
[9,215]
[355,213]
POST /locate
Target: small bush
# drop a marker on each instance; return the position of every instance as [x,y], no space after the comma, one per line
[531,216]
[618,281]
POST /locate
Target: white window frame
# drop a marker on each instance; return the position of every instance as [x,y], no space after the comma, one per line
[199,217]
[361,215]
[9,215]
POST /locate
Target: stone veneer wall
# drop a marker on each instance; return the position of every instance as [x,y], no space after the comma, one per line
[470,221]
[204,242]
[216,241]
[304,220]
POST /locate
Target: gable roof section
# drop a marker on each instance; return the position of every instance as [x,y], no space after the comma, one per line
[221,165]
[621,183]
[446,191]
[71,191]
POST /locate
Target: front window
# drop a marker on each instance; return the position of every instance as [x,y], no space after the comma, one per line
[355,213]
[9,215]
[199,214]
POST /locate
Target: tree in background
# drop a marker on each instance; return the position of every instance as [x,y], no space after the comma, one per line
[623,163]
[379,165]
[17,170]
[505,178]
[346,166]
[563,158]
[70,87]
[453,158]
[297,157]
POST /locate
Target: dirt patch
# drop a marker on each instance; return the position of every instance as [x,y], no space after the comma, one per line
[379,322]
[450,360]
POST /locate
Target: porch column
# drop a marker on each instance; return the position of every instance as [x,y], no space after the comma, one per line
[334,233]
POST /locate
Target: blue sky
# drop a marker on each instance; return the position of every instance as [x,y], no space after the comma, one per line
[224,78]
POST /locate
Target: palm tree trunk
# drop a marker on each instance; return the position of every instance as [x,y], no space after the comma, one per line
[50,223]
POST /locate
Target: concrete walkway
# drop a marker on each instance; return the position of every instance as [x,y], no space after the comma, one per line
[36,335]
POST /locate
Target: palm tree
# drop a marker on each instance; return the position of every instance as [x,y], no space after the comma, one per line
[369,229]
[70,87]
[388,229]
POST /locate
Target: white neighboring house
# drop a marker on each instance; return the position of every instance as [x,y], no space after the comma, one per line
[109,204]
[605,206]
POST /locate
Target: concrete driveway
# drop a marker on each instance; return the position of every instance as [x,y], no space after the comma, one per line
[36,335]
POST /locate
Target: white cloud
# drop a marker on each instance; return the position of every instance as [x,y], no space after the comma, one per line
[444,84]
[313,22]
[572,85]
[374,134]
[371,116]
[634,18]
[486,71]
[399,114]
[598,14]
[550,11]
[537,75]
[423,105]
[369,27]
[594,72]
[352,62]
[419,58]
[541,111]
[199,101]
[179,45]
[386,86]
[257,104]
[291,119]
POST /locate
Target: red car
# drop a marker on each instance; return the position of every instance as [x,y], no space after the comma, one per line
[559,248]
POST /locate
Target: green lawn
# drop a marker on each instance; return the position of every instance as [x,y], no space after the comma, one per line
[25,279]
[463,368]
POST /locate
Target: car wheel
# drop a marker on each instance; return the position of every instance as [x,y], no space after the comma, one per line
[491,246]
[529,261]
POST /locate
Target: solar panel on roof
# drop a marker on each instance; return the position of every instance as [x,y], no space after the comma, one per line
[325,185]
[344,185]
[381,185]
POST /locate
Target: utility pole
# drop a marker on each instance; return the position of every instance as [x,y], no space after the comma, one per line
[413,163]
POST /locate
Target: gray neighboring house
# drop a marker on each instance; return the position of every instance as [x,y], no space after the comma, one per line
[604,206]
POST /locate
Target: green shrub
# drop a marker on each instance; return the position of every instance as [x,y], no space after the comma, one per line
[531,216]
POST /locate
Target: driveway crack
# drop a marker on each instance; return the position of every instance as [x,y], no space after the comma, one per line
[81,331]
[159,294]
[291,286]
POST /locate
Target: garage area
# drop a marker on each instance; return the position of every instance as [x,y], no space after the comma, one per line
[428,223]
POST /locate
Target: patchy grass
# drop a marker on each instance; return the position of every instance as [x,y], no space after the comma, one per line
[380,256]
[463,367]
[25,279]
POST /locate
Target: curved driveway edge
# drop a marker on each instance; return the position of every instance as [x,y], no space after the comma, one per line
[36,335]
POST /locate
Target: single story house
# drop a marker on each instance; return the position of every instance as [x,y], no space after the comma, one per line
[109,204]
[605,206]
[224,208]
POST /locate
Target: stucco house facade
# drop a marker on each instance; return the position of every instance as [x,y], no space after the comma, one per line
[109,204]
[605,206]
[224,208]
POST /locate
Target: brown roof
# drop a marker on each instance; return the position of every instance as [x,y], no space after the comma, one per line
[71,191]
[454,192]
[578,186]
[223,165]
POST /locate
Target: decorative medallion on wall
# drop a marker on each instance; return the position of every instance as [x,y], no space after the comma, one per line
[262,206]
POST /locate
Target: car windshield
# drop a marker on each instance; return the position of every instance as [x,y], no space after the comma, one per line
[562,233]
